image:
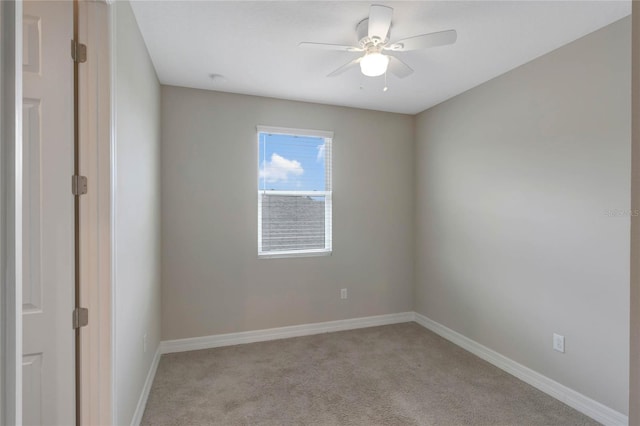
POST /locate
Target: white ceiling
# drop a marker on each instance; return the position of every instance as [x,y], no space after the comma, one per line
[254,45]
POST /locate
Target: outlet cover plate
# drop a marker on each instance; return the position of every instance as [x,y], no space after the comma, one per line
[558,342]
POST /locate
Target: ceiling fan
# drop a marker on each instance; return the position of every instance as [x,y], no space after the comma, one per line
[373,39]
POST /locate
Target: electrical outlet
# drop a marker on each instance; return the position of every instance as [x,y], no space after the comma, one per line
[558,343]
[144,343]
[343,293]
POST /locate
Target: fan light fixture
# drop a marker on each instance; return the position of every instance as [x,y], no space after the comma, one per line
[374,64]
[373,35]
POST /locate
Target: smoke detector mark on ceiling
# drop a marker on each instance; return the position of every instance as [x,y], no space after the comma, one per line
[217,78]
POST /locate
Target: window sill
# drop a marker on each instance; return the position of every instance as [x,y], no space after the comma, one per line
[286,254]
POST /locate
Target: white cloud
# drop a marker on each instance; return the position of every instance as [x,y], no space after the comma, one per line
[320,157]
[280,169]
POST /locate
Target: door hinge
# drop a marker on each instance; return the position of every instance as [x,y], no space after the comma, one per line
[80,317]
[78,185]
[78,51]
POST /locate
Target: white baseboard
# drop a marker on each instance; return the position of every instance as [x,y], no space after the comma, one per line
[576,400]
[218,340]
[144,395]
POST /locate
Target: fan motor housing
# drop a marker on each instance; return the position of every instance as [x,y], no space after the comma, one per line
[362,30]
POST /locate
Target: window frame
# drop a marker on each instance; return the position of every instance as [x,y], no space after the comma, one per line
[327,193]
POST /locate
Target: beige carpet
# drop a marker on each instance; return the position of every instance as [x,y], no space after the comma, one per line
[391,375]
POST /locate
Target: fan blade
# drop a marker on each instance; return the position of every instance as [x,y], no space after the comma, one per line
[345,67]
[399,68]
[325,46]
[424,41]
[379,21]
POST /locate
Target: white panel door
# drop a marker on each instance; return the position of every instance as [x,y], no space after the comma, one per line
[48,231]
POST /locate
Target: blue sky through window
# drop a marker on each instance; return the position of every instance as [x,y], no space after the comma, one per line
[291,163]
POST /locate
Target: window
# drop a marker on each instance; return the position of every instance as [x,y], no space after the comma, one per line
[294,192]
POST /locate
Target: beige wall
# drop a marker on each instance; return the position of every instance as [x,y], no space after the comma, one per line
[634,396]
[514,178]
[213,281]
[137,213]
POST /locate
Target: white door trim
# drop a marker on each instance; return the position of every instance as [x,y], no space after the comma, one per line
[11,212]
[112,196]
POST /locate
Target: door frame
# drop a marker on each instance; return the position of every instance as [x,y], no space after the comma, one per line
[11,212]
[96,213]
